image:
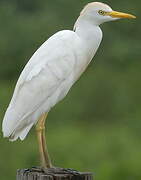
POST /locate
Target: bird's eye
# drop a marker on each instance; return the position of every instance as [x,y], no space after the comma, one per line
[101,12]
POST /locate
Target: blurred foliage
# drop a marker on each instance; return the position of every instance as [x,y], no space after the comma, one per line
[97,127]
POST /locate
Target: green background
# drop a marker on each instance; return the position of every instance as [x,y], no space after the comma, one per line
[97,127]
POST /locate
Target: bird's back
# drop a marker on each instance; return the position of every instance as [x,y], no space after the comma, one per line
[45,80]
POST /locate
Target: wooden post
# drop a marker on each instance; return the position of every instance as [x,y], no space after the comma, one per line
[52,174]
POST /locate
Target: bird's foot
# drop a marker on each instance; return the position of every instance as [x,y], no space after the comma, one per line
[58,170]
[34,169]
[53,170]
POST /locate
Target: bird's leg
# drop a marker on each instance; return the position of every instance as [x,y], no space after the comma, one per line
[40,129]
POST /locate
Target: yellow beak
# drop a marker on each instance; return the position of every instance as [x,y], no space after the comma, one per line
[116,14]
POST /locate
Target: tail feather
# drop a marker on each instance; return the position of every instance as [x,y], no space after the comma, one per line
[10,123]
[13,128]
[20,133]
[25,131]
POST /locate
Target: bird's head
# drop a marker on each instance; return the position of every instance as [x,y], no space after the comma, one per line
[98,13]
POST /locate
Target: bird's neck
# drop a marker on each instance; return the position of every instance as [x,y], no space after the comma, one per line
[89,32]
[90,37]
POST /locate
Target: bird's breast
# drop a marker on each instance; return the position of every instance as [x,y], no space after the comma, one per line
[84,54]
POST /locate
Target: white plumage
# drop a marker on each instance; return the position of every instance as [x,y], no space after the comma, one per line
[45,80]
[53,69]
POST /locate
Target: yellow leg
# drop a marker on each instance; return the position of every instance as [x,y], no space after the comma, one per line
[40,129]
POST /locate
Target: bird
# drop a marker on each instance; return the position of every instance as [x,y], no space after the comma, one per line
[51,72]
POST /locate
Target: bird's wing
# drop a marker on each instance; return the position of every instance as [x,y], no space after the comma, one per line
[48,68]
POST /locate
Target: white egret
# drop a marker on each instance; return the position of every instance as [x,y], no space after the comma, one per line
[51,72]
